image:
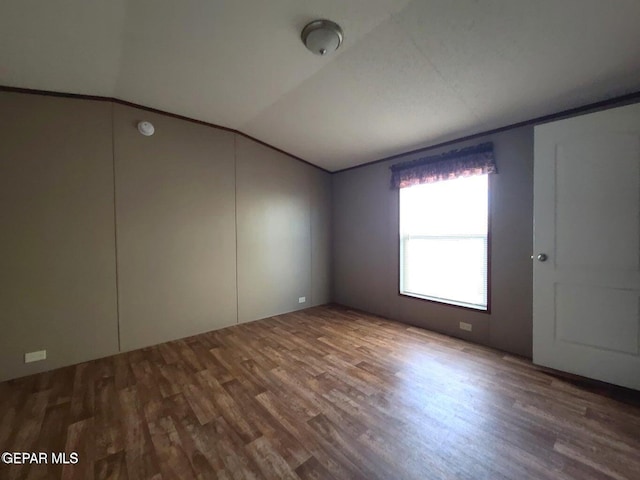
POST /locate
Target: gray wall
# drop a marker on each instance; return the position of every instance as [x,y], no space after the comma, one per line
[175,211]
[75,176]
[366,256]
[321,234]
[57,238]
[280,201]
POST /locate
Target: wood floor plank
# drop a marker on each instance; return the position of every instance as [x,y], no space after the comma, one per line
[172,458]
[83,392]
[81,441]
[140,457]
[228,407]
[269,460]
[312,469]
[107,421]
[288,447]
[52,438]
[113,467]
[324,393]
[238,463]
[26,431]
[331,459]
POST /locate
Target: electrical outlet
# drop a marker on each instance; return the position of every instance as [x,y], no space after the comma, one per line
[35,356]
[302,299]
[466,326]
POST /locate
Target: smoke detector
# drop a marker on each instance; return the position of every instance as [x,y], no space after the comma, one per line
[322,36]
[146,128]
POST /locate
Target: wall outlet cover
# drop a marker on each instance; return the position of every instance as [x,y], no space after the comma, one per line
[466,326]
[302,299]
[35,356]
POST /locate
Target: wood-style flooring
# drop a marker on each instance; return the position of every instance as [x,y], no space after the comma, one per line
[323,393]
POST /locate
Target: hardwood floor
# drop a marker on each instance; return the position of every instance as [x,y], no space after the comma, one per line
[323,393]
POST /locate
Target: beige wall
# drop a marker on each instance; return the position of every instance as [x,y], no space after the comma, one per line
[283,224]
[321,229]
[365,251]
[175,214]
[174,205]
[57,239]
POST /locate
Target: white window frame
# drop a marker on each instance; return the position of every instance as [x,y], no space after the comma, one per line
[444,301]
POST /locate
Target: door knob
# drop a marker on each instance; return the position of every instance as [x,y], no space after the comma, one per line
[542,257]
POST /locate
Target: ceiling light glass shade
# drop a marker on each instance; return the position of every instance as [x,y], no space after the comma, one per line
[322,36]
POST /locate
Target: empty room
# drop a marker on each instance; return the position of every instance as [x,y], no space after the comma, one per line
[338,239]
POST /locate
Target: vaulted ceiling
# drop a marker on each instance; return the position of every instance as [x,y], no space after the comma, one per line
[409,74]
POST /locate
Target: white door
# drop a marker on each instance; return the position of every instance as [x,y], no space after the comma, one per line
[586,293]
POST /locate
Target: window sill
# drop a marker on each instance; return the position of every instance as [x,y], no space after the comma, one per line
[446,303]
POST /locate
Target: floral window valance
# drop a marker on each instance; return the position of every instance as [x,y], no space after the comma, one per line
[476,160]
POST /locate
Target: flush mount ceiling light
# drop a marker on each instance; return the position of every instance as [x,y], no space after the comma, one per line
[322,36]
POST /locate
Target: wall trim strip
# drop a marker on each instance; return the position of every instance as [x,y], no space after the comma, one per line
[98,98]
[602,104]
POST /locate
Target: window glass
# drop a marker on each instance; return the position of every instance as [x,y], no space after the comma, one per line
[443,241]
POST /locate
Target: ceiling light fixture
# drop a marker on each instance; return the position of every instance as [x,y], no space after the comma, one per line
[322,36]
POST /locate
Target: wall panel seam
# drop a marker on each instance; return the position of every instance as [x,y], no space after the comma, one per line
[115,222]
[235,219]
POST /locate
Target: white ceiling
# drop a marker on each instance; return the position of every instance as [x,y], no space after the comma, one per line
[410,73]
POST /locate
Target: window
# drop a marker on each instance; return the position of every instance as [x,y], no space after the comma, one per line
[443,241]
